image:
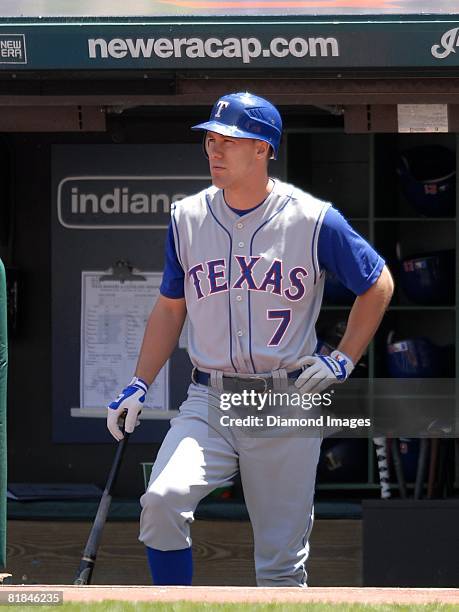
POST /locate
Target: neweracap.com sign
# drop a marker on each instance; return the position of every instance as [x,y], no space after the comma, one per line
[356,43]
[243,49]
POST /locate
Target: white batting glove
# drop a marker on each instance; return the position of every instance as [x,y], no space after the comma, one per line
[321,371]
[129,403]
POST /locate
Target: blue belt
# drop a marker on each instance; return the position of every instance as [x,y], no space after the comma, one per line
[235,383]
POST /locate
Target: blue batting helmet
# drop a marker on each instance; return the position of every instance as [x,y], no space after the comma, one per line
[429,278]
[413,358]
[428,179]
[243,115]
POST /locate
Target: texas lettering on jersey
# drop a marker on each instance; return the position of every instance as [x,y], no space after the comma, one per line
[210,277]
[253,285]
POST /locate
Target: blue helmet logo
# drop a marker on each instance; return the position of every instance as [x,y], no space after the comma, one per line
[221,104]
[243,115]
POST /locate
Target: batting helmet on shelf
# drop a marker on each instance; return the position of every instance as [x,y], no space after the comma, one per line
[243,115]
[428,179]
[413,358]
[429,279]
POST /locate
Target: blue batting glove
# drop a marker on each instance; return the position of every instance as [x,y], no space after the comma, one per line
[321,371]
[129,403]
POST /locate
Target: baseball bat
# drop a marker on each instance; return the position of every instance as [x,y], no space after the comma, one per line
[398,468]
[383,468]
[432,467]
[421,467]
[88,559]
[441,469]
[449,474]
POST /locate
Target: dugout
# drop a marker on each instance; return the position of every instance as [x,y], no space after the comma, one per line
[102,98]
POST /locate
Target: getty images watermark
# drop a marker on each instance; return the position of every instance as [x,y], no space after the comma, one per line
[359,408]
[304,414]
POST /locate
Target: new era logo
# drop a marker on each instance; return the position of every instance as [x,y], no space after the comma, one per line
[12,49]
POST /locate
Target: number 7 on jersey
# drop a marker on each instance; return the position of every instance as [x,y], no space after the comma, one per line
[285,317]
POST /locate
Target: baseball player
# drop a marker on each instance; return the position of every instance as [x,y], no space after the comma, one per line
[246,260]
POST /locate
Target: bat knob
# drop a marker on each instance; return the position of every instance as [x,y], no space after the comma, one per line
[84,577]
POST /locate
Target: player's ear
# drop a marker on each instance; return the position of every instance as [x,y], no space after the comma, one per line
[263,149]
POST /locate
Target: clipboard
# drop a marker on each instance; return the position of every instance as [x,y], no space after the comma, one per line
[122,271]
[115,306]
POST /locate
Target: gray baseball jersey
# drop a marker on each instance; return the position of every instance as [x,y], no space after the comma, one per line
[253,287]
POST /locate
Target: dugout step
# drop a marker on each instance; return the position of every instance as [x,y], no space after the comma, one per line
[411,543]
[129,510]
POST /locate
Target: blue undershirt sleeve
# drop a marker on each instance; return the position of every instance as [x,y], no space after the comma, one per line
[345,254]
[172,285]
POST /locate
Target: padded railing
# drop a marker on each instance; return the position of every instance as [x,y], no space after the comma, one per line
[3,391]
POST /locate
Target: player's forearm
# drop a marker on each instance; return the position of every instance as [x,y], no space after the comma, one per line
[161,336]
[365,316]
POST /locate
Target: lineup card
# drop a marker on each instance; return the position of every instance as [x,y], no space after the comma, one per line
[113,319]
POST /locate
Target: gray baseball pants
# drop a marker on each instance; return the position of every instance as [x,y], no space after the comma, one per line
[278,478]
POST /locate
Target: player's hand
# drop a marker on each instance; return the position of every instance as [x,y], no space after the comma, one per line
[321,371]
[129,403]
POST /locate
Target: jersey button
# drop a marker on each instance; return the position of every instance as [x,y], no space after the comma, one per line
[241,244]
[240,225]
[239,298]
[240,332]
